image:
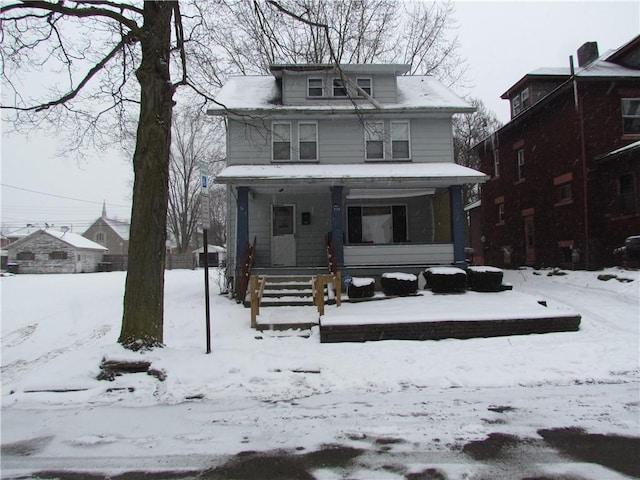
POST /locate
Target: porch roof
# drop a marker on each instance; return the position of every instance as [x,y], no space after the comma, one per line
[426,174]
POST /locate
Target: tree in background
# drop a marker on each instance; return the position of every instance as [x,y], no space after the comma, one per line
[196,139]
[252,36]
[468,130]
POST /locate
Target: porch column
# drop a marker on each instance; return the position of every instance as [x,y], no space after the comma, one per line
[457,225]
[337,230]
[242,226]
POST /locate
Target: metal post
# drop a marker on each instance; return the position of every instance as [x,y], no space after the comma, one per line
[206,288]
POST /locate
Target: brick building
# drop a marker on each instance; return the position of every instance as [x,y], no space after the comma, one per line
[564,171]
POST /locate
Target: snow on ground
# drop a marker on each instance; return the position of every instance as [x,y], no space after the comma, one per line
[259,391]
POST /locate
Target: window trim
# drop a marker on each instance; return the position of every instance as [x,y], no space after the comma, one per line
[520,165]
[635,115]
[408,140]
[367,129]
[273,142]
[391,207]
[370,87]
[309,87]
[343,87]
[317,155]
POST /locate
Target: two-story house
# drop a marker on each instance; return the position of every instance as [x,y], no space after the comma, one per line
[361,155]
[565,170]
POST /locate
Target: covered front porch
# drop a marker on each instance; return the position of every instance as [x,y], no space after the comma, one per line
[354,218]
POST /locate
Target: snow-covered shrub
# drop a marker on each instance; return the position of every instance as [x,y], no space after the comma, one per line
[399,283]
[446,279]
[361,287]
[484,279]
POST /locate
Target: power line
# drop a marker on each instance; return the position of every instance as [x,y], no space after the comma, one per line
[61,196]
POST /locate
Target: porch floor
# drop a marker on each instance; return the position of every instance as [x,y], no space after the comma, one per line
[426,316]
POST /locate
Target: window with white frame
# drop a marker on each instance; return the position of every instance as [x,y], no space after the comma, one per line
[520,164]
[365,85]
[525,99]
[339,88]
[515,105]
[315,87]
[400,140]
[496,163]
[308,140]
[281,140]
[374,140]
[631,116]
[501,213]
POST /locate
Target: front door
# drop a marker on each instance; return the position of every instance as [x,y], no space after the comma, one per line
[283,236]
[530,240]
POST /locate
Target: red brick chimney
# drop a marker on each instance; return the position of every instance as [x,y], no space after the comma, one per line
[587,53]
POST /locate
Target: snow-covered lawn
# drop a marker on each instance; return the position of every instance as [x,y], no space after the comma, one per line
[260,391]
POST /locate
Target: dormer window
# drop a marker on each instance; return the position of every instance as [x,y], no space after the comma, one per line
[315,87]
[524,99]
[339,88]
[515,105]
[365,85]
[520,102]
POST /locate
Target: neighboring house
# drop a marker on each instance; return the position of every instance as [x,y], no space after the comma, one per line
[113,234]
[217,256]
[565,170]
[54,251]
[361,155]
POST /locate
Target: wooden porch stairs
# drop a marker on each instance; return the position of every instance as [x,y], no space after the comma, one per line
[291,291]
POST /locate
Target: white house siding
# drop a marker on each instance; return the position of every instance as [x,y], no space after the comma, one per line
[434,254]
[295,89]
[340,140]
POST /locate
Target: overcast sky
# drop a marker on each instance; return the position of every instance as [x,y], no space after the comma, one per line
[501,42]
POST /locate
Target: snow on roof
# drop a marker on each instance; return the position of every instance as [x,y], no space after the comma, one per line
[210,249]
[121,228]
[73,239]
[442,172]
[261,93]
[626,148]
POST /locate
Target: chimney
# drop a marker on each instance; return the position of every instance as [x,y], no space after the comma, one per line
[587,53]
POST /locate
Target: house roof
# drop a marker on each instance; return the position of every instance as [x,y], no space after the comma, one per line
[627,149]
[210,249]
[119,227]
[362,68]
[73,239]
[612,64]
[381,174]
[419,93]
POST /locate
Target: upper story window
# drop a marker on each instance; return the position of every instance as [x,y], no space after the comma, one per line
[520,164]
[520,102]
[562,184]
[374,140]
[339,88]
[308,141]
[631,116]
[315,87]
[281,140]
[100,238]
[365,85]
[501,213]
[496,163]
[400,140]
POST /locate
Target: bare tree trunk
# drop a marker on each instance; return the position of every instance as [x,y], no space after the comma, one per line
[142,322]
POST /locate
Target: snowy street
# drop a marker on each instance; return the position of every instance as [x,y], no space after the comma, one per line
[558,405]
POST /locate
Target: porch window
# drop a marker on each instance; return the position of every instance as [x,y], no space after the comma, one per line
[374,139]
[377,224]
[315,87]
[365,85]
[26,256]
[627,193]
[281,140]
[400,140]
[339,88]
[308,141]
[631,116]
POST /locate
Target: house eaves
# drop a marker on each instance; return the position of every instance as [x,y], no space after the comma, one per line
[382,174]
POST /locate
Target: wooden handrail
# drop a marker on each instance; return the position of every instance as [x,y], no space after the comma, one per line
[320,282]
